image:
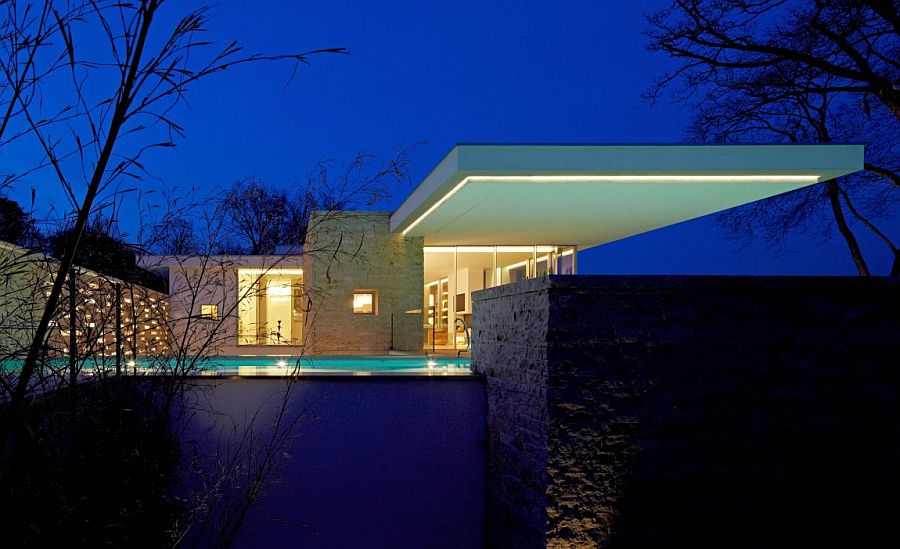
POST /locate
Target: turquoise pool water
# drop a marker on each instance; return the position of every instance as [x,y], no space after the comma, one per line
[319,365]
[285,365]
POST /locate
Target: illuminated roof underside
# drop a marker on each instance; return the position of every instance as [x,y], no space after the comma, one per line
[591,195]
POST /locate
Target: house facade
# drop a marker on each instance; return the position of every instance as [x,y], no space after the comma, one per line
[376,282]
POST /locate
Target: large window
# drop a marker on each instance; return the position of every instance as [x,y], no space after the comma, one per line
[454,273]
[270,307]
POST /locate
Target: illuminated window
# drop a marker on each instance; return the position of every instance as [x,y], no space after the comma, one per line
[270,306]
[364,302]
[209,311]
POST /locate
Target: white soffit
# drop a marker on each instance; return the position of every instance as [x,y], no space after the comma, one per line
[593,194]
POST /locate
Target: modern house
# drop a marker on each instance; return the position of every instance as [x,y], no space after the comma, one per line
[487,215]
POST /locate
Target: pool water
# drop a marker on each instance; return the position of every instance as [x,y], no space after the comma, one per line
[276,365]
[323,365]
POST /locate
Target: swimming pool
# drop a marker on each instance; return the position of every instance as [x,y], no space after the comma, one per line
[336,365]
[274,365]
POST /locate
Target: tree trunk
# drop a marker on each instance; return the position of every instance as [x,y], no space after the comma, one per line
[831,187]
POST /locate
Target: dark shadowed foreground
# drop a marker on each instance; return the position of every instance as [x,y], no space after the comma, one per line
[374,463]
[629,411]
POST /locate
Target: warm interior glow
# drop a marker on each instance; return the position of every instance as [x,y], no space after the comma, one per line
[269,311]
[363,303]
[273,271]
[279,289]
[515,249]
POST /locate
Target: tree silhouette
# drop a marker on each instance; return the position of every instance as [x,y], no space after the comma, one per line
[794,71]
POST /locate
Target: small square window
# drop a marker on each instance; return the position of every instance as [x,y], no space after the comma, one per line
[364,302]
[209,311]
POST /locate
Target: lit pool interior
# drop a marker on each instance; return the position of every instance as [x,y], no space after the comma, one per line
[279,365]
[324,365]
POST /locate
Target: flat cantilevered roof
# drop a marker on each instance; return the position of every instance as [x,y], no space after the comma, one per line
[588,195]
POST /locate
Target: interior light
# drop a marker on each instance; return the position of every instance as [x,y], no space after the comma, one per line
[475,249]
[431,363]
[282,363]
[272,272]
[515,249]
[438,249]
[361,301]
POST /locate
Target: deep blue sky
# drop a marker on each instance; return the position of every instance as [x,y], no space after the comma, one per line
[443,72]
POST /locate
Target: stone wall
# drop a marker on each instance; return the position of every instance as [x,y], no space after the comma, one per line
[349,251]
[695,411]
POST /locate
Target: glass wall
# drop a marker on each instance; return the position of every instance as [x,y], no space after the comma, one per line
[454,273]
[439,268]
[270,306]
[565,261]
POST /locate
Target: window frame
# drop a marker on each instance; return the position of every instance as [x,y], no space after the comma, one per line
[373,293]
[208,316]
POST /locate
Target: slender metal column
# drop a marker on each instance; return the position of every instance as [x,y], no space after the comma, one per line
[495,278]
[451,299]
[73,340]
[134,329]
[118,298]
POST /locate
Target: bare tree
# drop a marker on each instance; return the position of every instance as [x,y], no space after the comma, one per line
[91,135]
[89,116]
[794,71]
[150,71]
[230,480]
[261,217]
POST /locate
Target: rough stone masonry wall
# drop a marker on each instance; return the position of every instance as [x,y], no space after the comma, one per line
[510,337]
[692,411]
[348,251]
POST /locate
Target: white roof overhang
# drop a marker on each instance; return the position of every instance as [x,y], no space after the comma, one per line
[588,195]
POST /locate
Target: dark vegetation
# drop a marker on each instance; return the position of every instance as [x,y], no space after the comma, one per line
[100,250]
[90,461]
[796,71]
[17,226]
[94,469]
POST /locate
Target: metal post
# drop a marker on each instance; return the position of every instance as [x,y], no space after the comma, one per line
[118,297]
[134,328]
[451,299]
[73,341]
[495,278]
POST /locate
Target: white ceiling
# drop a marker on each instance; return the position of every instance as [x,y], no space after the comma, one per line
[590,195]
